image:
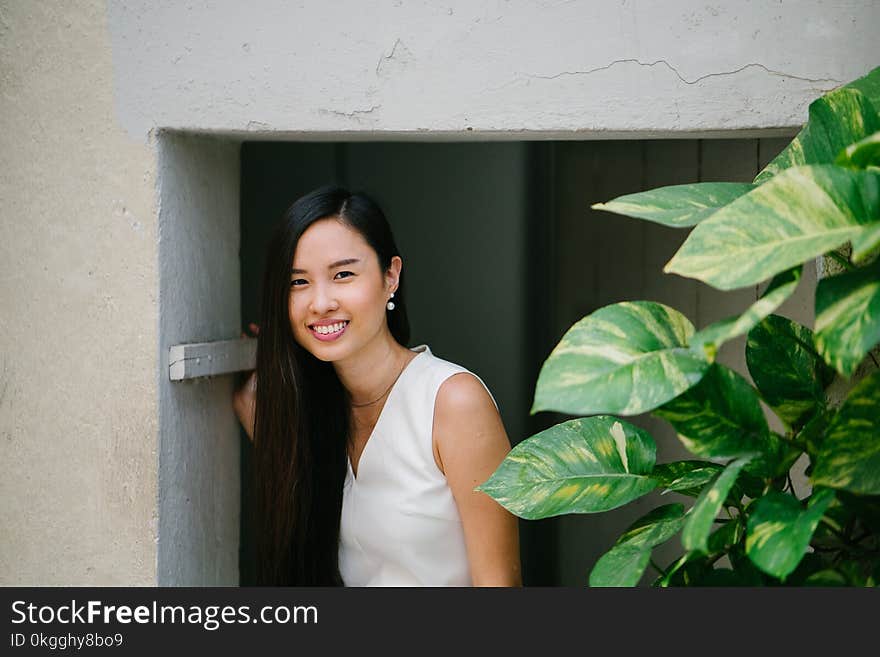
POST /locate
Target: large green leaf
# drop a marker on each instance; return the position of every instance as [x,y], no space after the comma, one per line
[849,456]
[786,368]
[626,358]
[677,206]
[866,244]
[721,417]
[685,477]
[813,432]
[624,564]
[700,518]
[710,339]
[864,153]
[798,215]
[848,317]
[690,477]
[869,85]
[779,530]
[837,119]
[585,465]
[725,537]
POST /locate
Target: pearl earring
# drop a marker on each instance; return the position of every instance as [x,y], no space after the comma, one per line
[390,304]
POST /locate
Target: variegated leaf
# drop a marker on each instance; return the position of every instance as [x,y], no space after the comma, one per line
[721,417]
[849,456]
[585,465]
[797,215]
[626,358]
[825,578]
[690,567]
[779,530]
[837,119]
[786,369]
[862,154]
[848,317]
[725,536]
[685,477]
[869,85]
[813,432]
[655,527]
[710,339]
[866,244]
[690,477]
[701,516]
[677,206]
[624,564]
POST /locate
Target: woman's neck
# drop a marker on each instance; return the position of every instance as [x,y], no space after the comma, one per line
[368,374]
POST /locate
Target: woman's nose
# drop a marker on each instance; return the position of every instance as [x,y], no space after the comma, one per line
[323,300]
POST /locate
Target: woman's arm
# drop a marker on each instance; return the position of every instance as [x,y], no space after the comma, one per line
[470,443]
[244,403]
[244,398]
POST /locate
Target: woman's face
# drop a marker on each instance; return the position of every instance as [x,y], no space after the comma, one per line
[338,291]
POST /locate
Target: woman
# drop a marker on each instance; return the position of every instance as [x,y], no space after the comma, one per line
[366,452]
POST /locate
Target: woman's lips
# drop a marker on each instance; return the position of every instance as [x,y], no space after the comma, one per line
[329,337]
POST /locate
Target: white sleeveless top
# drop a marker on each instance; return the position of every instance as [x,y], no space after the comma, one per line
[400,524]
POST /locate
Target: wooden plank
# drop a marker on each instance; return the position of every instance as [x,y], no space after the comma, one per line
[728,160]
[191,361]
[769,148]
[668,162]
[618,246]
[576,264]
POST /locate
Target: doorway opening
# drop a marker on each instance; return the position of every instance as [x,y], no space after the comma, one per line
[493,234]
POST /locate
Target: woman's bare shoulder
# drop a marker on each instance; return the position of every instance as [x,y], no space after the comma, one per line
[464,393]
[466,418]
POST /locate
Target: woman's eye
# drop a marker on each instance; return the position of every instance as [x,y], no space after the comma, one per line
[296,282]
[344,274]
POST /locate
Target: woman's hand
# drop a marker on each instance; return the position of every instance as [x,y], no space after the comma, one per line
[245,395]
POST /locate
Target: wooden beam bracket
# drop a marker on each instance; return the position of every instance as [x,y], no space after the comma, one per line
[191,361]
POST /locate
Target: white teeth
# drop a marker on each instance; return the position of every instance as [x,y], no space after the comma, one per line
[331,328]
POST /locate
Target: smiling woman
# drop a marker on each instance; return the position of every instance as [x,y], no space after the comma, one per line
[335,382]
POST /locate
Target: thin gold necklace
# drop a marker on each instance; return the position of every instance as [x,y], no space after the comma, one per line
[387,390]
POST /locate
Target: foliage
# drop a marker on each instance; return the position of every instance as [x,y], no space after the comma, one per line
[820,194]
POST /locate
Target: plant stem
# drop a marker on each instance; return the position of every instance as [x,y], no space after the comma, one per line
[791,485]
[715,558]
[659,570]
[861,538]
[835,529]
[673,568]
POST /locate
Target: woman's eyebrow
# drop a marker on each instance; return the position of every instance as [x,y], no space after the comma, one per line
[332,265]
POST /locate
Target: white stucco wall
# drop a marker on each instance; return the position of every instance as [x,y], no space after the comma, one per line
[78,311]
[85,85]
[597,67]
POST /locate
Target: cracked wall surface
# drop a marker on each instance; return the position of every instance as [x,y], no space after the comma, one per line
[494,69]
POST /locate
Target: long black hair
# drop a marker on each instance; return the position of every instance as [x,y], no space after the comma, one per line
[302,410]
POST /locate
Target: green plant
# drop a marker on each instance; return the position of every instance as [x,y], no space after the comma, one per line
[821,194]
